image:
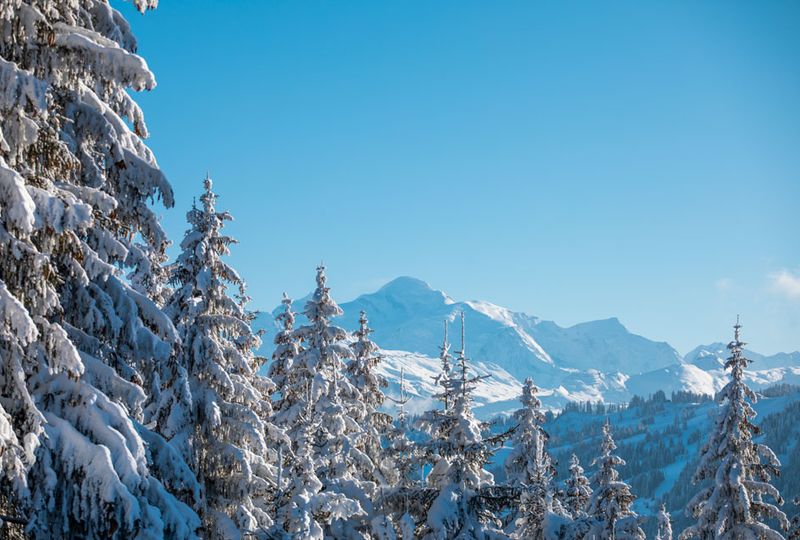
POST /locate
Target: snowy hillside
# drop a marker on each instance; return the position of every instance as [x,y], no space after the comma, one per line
[660,440]
[408,318]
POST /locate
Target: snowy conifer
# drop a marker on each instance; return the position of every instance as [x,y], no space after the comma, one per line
[401,450]
[443,376]
[735,505]
[529,466]
[227,429]
[610,504]
[579,492]
[395,501]
[286,348]
[461,489]
[306,510]
[361,371]
[319,394]
[75,184]
[664,524]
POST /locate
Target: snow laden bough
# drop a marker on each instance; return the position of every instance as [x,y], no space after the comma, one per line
[80,343]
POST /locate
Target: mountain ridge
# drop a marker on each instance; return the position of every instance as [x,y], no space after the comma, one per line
[590,361]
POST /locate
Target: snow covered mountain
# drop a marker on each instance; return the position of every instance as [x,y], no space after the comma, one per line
[592,361]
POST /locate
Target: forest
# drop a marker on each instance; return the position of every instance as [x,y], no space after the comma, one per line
[132,404]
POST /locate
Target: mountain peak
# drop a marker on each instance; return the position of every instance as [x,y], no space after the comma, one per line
[412,290]
[406,284]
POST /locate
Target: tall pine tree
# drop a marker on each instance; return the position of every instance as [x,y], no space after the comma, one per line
[76,181]
[227,429]
[462,492]
[735,505]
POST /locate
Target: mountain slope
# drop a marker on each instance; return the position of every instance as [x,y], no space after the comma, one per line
[592,361]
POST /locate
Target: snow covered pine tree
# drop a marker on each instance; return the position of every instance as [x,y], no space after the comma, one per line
[579,492]
[664,524]
[79,343]
[396,519]
[529,466]
[739,468]
[318,412]
[463,497]
[361,370]
[610,505]
[227,428]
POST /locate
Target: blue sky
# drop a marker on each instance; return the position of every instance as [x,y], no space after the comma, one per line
[573,160]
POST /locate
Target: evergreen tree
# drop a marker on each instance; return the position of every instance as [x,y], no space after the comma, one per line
[529,466]
[443,377]
[462,490]
[403,478]
[319,396]
[361,371]
[286,349]
[734,505]
[579,492]
[610,505]
[79,341]
[401,450]
[227,427]
[305,510]
[664,524]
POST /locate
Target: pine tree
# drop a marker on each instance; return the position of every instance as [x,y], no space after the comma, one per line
[610,505]
[75,186]
[740,469]
[401,450]
[286,349]
[460,487]
[402,480]
[443,377]
[319,394]
[361,371]
[228,426]
[579,492]
[664,524]
[529,466]
[306,511]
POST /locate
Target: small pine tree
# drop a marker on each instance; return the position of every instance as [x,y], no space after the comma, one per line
[402,478]
[529,466]
[361,372]
[579,492]
[442,378]
[402,452]
[740,469]
[287,348]
[610,505]
[664,524]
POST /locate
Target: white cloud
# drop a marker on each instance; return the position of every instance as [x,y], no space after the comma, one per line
[785,283]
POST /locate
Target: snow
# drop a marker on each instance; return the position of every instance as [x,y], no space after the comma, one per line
[594,361]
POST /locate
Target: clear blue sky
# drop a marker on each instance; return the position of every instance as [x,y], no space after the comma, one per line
[573,160]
